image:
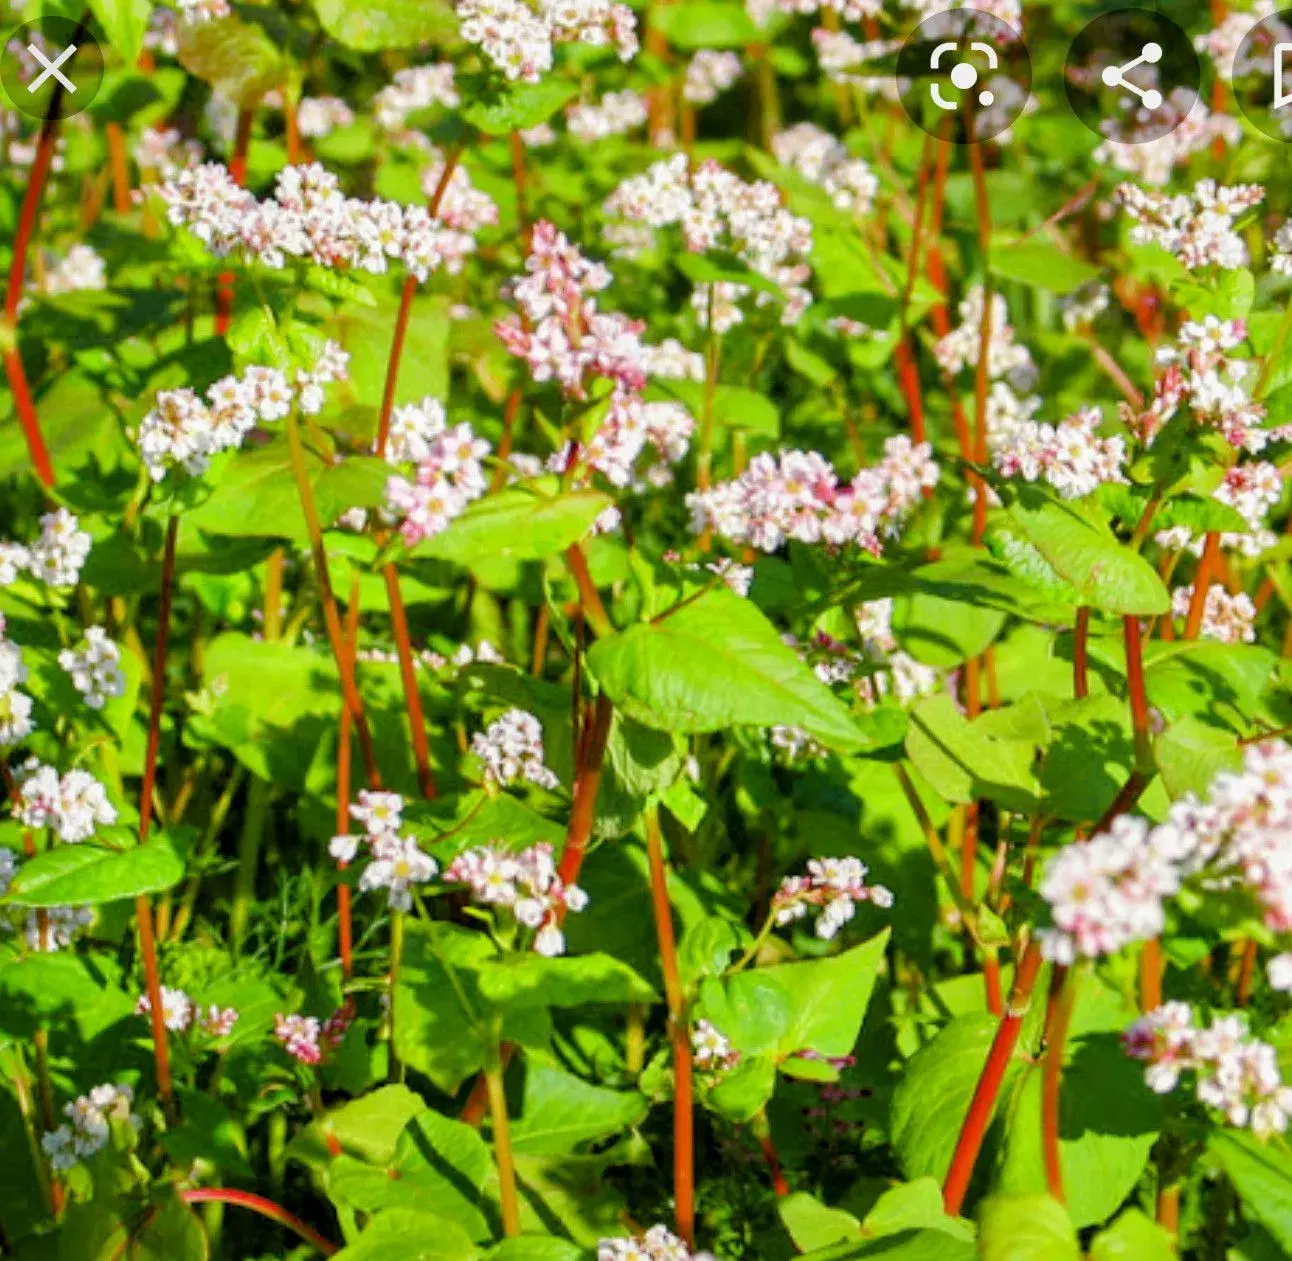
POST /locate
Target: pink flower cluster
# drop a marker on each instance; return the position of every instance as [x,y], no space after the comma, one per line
[511,748]
[73,804]
[185,429]
[657,1244]
[1231,619]
[395,863]
[1197,227]
[832,888]
[518,38]
[524,884]
[717,210]
[310,219]
[1110,891]
[1071,456]
[797,495]
[307,1039]
[1234,1073]
[180,1014]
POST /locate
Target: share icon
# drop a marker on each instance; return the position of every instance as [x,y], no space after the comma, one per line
[1115,76]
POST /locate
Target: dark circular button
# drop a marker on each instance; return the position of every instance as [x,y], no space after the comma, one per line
[964,75]
[1132,76]
[1262,76]
[51,66]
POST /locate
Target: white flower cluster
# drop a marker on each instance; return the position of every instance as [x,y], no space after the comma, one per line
[15,704]
[901,677]
[1109,891]
[73,804]
[709,73]
[842,58]
[959,348]
[55,558]
[164,152]
[1234,1073]
[518,38]
[717,210]
[823,159]
[511,748]
[1139,147]
[1230,619]
[797,495]
[79,269]
[1223,42]
[412,89]
[463,210]
[89,1125]
[309,218]
[195,12]
[832,888]
[1201,375]
[657,1244]
[711,1049]
[185,429]
[95,667]
[525,884]
[1081,308]
[449,473]
[1197,227]
[180,1014]
[395,863]
[318,116]
[1070,456]
[613,115]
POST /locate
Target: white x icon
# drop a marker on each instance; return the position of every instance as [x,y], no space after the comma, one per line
[51,68]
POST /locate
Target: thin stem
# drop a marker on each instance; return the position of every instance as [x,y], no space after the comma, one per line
[587,782]
[119,165]
[395,1071]
[1063,997]
[266,1208]
[763,1133]
[983,1104]
[712,361]
[408,673]
[254,822]
[238,173]
[683,1104]
[908,374]
[1080,649]
[1202,584]
[1135,690]
[589,598]
[502,1141]
[406,296]
[344,920]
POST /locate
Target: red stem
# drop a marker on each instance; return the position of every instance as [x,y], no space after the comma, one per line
[587,782]
[1202,584]
[266,1208]
[408,673]
[985,1093]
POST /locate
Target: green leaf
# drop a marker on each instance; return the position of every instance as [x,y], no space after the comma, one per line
[124,23]
[706,24]
[708,269]
[1084,553]
[734,406]
[716,663]
[88,874]
[366,334]
[1026,1228]
[377,25]
[561,1112]
[1191,753]
[536,1248]
[530,980]
[519,524]
[234,56]
[208,1133]
[410,1235]
[942,630]
[812,1225]
[1041,264]
[1262,1175]
[910,1245]
[367,1127]
[516,106]
[914,1205]
[1133,1237]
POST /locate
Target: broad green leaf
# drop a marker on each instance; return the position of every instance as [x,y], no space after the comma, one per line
[377,25]
[208,1133]
[734,406]
[715,663]
[1191,753]
[1262,1174]
[706,24]
[531,980]
[812,1225]
[89,874]
[234,56]
[943,630]
[517,523]
[1088,756]
[914,1205]
[517,106]
[367,1127]
[561,1112]
[708,269]
[909,1245]
[536,1248]
[1041,263]
[124,23]
[410,1235]
[1105,573]
[1133,1237]
[1026,1228]
[366,335]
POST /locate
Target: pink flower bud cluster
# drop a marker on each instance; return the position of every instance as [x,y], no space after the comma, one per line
[657,1244]
[518,38]
[74,805]
[717,210]
[56,558]
[511,748]
[180,1014]
[95,668]
[1197,227]
[185,429]
[1230,619]
[832,888]
[307,1039]
[310,219]
[395,863]
[15,704]
[89,1125]
[524,884]
[1201,376]
[711,1049]
[1071,456]
[412,89]
[1233,1072]
[823,159]
[449,473]
[614,115]
[797,495]
[709,73]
